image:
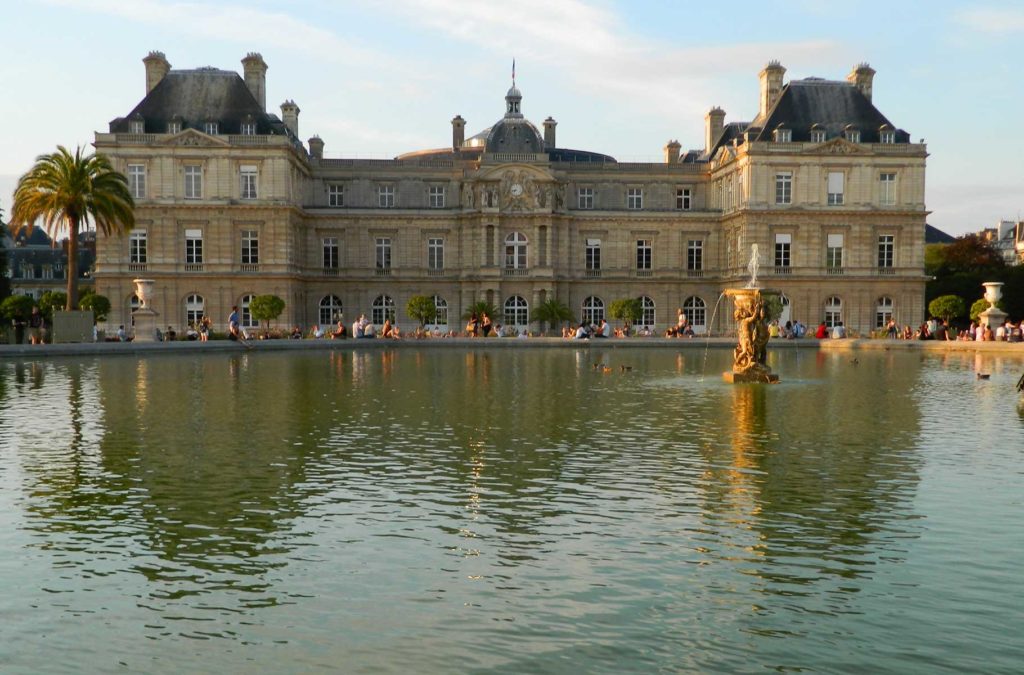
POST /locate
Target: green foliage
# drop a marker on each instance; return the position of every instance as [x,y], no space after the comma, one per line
[629,310]
[52,301]
[971,253]
[480,308]
[934,259]
[17,307]
[773,307]
[947,307]
[552,312]
[422,309]
[980,305]
[266,308]
[99,304]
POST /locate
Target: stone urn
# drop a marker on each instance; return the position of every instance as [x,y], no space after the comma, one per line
[144,291]
[993,317]
[993,292]
[144,318]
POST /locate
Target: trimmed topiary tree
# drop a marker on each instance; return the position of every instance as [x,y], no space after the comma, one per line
[628,310]
[948,307]
[422,309]
[979,306]
[266,308]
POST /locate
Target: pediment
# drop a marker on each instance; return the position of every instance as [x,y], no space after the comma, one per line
[518,187]
[196,139]
[838,146]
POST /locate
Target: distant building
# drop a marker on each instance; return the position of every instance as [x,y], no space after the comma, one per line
[36,265]
[1008,238]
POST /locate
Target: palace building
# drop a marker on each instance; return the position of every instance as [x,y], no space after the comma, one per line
[230,204]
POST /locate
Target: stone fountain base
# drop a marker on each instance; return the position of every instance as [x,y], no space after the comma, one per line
[757,375]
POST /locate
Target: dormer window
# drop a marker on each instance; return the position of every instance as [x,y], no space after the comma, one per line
[783,135]
[210,128]
[248,126]
[886,135]
[817,134]
[136,125]
[174,127]
[852,134]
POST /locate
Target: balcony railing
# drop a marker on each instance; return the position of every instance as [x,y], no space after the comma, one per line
[136,267]
[249,267]
[644,273]
[514,272]
[834,271]
[193,267]
[886,271]
[435,272]
[382,272]
[783,269]
[592,274]
[695,274]
[331,271]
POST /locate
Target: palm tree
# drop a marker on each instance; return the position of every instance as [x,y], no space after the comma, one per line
[67,191]
[552,312]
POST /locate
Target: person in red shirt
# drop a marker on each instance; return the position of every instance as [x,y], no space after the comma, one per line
[822,331]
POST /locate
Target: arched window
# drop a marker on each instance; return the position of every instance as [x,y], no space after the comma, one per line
[195,310]
[695,311]
[383,308]
[647,316]
[517,312]
[883,311]
[833,311]
[515,251]
[440,311]
[786,314]
[246,320]
[593,310]
[330,310]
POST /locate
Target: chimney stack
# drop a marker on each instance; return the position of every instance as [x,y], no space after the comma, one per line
[254,70]
[290,116]
[549,133]
[316,147]
[157,68]
[771,87]
[714,123]
[672,152]
[458,132]
[862,76]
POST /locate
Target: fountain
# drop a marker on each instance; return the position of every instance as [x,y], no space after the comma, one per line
[751,314]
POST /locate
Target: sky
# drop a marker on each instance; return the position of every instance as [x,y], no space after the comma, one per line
[376,79]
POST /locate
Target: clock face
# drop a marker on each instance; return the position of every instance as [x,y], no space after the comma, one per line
[517,189]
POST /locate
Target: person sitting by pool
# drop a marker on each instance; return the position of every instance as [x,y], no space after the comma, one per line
[822,331]
[386,330]
[671,332]
[603,329]
[581,332]
[191,333]
[316,332]
[296,333]
[170,335]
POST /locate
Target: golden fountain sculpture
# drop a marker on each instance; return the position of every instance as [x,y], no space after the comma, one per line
[751,315]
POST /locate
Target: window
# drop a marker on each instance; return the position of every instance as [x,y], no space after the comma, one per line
[435,253]
[137,247]
[246,320]
[386,196]
[137,180]
[886,250]
[783,244]
[643,254]
[783,135]
[47,271]
[683,199]
[834,251]
[174,127]
[887,136]
[634,198]
[440,311]
[853,135]
[383,308]
[515,251]
[817,135]
[210,128]
[383,258]
[436,197]
[516,312]
[835,188]
[593,310]
[695,312]
[784,188]
[585,197]
[248,128]
[330,310]
[193,247]
[883,311]
[250,247]
[332,259]
[695,254]
[887,189]
[136,127]
[647,311]
[195,309]
[193,181]
[335,195]
[833,311]
[248,175]
[592,254]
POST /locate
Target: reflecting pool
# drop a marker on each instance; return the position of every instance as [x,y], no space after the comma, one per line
[514,510]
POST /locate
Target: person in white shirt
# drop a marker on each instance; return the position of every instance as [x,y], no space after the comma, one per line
[838,331]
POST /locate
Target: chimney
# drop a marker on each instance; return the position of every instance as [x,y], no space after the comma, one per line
[862,76]
[714,123]
[771,87]
[156,68]
[458,132]
[672,152]
[316,147]
[254,69]
[290,116]
[549,133]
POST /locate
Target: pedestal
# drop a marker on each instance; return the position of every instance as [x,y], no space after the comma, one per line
[145,325]
[992,317]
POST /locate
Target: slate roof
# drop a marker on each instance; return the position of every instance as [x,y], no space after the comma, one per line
[933,235]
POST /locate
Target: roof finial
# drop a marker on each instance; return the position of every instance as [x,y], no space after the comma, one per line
[513,71]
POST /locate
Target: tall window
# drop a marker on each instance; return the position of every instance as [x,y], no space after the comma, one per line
[137,247]
[137,180]
[883,311]
[593,310]
[437,197]
[835,188]
[696,313]
[886,250]
[435,253]
[695,254]
[335,195]
[193,247]
[386,196]
[783,243]
[516,312]
[585,197]
[515,251]
[440,311]
[784,188]
[246,320]
[833,311]
[644,254]
[592,254]
[195,309]
[683,199]
[383,258]
[634,198]
[330,309]
[193,181]
[834,251]
[886,189]
[332,258]
[647,316]
[383,308]
[248,178]
[250,247]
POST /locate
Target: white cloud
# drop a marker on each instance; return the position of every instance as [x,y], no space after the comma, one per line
[994,21]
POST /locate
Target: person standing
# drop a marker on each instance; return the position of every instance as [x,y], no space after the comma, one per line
[36,326]
[234,333]
[485,325]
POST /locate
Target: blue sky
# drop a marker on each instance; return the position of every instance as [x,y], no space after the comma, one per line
[375,79]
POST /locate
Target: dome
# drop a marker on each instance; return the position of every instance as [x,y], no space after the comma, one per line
[514,134]
[514,92]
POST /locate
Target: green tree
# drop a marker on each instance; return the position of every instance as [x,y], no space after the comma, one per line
[773,307]
[971,253]
[480,308]
[629,310]
[422,309]
[51,301]
[67,192]
[17,307]
[99,304]
[552,312]
[266,308]
[979,306]
[947,307]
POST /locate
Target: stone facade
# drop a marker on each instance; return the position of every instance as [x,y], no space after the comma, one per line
[476,222]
